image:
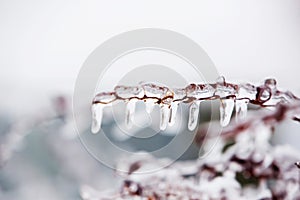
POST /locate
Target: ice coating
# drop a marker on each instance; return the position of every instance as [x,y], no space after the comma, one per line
[155,90]
[223,89]
[125,92]
[104,98]
[179,94]
[229,94]
[199,91]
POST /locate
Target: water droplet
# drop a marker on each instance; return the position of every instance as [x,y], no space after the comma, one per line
[164,116]
[97,112]
[241,107]
[226,108]
[150,103]
[174,107]
[221,80]
[193,115]
[129,113]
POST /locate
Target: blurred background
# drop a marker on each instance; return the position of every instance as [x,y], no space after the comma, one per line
[44,43]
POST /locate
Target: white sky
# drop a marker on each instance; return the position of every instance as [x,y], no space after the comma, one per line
[44,43]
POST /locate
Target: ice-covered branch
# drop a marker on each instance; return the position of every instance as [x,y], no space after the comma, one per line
[230,95]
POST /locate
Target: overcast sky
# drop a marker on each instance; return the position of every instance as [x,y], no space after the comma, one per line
[44,43]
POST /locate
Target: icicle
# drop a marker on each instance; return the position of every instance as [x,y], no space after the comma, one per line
[193,115]
[164,116]
[241,107]
[97,112]
[226,108]
[129,113]
[174,106]
[150,103]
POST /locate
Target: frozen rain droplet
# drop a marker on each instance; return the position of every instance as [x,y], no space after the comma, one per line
[241,107]
[150,103]
[226,108]
[221,80]
[97,112]
[174,107]
[193,115]
[164,116]
[129,113]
